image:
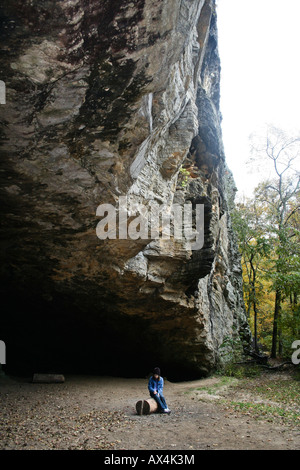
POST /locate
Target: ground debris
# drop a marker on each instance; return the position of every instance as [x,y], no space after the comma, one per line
[91,413]
[42,424]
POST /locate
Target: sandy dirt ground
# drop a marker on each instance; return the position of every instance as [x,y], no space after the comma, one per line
[88,412]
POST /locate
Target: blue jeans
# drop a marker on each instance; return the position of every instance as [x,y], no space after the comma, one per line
[160,401]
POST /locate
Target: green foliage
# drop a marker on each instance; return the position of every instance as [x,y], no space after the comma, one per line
[184,176]
[267,411]
[279,399]
[240,371]
[231,350]
[268,230]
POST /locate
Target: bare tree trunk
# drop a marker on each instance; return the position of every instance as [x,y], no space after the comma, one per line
[295,323]
[255,325]
[254,303]
[280,345]
[275,323]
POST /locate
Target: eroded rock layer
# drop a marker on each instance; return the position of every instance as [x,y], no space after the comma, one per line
[107,99]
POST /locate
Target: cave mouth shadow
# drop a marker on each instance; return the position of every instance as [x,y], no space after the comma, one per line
[60,338]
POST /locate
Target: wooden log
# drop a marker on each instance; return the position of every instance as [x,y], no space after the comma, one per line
[139,407]
[48,378]
[145,407]
[150,406]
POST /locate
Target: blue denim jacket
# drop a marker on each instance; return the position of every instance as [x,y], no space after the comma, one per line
[156,385]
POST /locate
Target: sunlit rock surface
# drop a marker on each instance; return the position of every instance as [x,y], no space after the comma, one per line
[108,99]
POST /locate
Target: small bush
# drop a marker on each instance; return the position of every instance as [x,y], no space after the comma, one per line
[240,371]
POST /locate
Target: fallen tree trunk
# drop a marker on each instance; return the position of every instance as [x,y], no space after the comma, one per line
[278,366]
[146,407]
[259,358]
[251,362]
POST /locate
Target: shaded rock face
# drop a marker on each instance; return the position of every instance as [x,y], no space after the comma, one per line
[108,99]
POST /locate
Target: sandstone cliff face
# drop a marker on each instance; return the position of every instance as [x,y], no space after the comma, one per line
[108,99]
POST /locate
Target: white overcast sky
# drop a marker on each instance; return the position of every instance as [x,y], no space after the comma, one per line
[259,46]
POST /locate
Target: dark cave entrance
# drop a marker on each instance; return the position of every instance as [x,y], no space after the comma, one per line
[66,337]
[59,337]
